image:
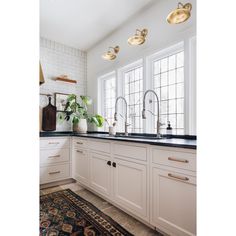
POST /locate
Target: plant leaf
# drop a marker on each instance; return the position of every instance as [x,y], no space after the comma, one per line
[98,120]
[71,97]
[86,100]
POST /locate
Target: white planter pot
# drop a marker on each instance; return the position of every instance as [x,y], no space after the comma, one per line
[82,126]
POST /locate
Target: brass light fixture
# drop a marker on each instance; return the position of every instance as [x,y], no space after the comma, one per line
[139,37]
[180,14]
[111,54]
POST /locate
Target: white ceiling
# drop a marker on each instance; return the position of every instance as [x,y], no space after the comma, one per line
[83,23]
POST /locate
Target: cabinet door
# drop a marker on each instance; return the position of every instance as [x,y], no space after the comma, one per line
[100,173]
[174,201]
[80,166]
[130,186]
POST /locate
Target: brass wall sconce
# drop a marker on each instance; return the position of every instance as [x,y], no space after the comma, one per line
[139,37]
[111,55]
[180,14]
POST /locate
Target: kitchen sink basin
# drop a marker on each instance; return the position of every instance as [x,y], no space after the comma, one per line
[130,136]
[138,137]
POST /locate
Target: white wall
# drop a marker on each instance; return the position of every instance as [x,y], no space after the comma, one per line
[160,35]
[58,59]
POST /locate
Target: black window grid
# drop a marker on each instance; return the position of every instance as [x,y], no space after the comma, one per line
[166,116]
[109,102]
[134,118]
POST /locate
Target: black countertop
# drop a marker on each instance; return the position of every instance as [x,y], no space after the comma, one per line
[182,141]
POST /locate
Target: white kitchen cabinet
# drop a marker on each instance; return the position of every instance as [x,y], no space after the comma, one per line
[54,156]
[80,165]
[175,158]
[155,184]
[52,143]
[55,161]
[130,150]
[100,146]
[173,201]
[130,186]
[53,173]
[100,173]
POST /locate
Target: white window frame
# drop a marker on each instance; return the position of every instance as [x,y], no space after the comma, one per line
[189,48]
[190,72]
[150,76]
[101,85]
[121,81]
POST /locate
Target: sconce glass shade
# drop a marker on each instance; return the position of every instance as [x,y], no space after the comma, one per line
[109,55]
[139,37]
[180,14]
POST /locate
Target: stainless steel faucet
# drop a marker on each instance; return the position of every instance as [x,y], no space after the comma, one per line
[158,110]
[126,113]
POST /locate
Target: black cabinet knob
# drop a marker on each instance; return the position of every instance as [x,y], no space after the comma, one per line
[109,163]
[114,164]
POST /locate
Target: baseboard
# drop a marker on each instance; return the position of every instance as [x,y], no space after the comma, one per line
[57,183]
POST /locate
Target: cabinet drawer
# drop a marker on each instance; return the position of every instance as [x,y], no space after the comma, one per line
[176,159]
[52,156]
[54,173]
[174,201]
[80,143]
[100,146]
[134,152]
[54,143]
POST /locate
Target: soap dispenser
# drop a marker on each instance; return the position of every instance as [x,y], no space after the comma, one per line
[169,129]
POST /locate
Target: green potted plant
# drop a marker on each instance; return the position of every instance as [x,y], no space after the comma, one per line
[78,113]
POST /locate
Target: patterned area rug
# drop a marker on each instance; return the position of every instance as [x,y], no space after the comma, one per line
[65,213]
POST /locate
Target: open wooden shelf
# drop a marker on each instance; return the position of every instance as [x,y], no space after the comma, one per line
[66,80]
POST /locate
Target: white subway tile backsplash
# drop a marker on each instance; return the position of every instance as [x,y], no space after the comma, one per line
[58,59]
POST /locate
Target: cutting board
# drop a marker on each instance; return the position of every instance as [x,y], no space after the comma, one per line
[49,117]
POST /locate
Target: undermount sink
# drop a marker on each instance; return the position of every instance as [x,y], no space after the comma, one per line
[132,136]
[138,136]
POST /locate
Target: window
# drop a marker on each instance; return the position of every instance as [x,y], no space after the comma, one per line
[133,93]
[131,84]
[108,93]
[164,72]
[168,82]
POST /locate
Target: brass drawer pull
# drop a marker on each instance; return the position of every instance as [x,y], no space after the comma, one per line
[80,151]
[53,143]
[54,156]
[178,177]
[55,172]
[178,160]
[79,143]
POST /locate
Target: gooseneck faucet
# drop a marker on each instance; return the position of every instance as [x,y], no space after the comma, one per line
[126,113]
[158,110]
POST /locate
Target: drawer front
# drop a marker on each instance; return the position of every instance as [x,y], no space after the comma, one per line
[134,152]
[80,143]
[174,202]
[100,146]
[52,156]
[53,173]
[180,160]
[49,143]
